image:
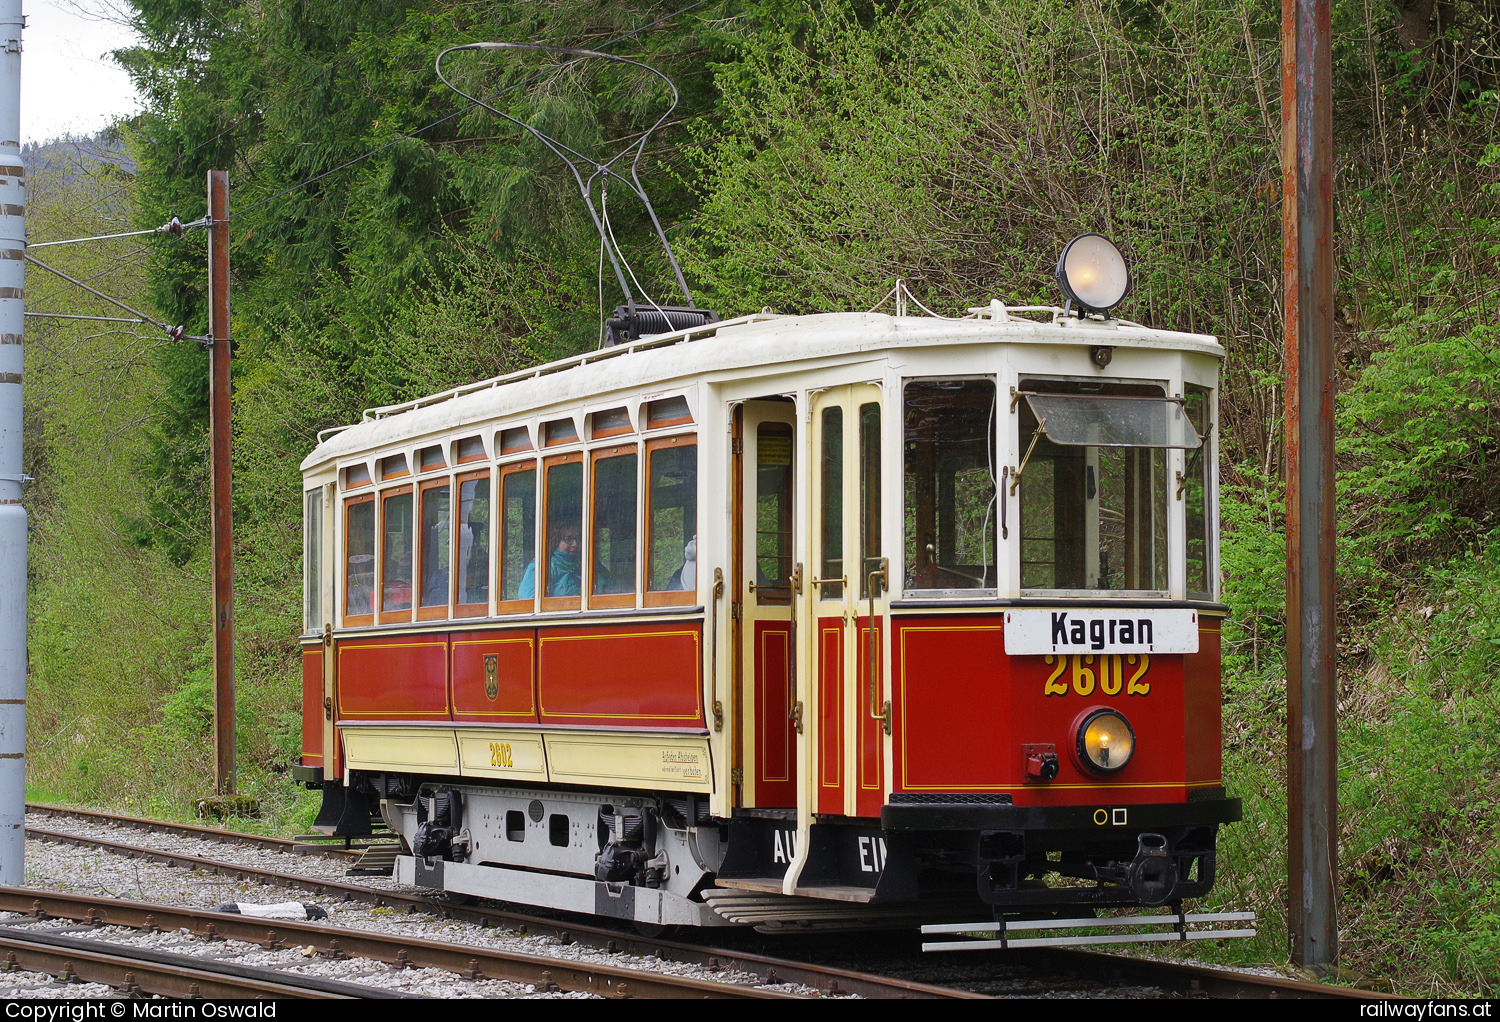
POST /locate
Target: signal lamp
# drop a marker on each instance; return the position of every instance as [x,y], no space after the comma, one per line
[1092,272]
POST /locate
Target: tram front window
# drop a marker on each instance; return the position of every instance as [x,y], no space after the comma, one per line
[948,437]
[1094,493]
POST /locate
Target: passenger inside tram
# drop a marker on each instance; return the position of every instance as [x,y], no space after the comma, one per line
[564,577]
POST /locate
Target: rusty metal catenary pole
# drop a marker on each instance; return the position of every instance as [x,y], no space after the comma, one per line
[218,328]
[1307,245]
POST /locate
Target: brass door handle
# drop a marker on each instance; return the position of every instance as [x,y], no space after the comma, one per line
[883,714]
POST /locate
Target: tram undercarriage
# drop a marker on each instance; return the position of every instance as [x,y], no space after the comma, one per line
[660,860]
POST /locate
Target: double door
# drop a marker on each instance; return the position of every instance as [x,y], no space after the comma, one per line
[811,583]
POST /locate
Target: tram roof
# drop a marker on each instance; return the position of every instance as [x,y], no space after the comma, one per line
[725,350]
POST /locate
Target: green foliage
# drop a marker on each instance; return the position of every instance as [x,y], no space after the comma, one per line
[390,241]
[946,144]
[1253,544]
[1418,430]
[359,182]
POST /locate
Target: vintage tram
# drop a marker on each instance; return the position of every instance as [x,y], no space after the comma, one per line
[784,620]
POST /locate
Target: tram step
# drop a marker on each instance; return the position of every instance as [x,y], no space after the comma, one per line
[377,860]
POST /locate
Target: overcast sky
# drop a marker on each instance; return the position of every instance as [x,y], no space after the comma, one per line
[68,83]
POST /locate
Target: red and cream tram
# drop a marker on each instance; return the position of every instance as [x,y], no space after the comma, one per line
[784,620]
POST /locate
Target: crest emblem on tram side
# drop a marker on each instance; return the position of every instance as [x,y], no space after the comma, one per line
[491,676]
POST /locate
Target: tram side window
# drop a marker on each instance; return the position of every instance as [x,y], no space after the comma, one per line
[359,550]
[831,468]
[518,533]
[1195,490]
[434,547]
[948,436]
[312,552]
[773,511]
[612,536]
[672,526]
[396,551]
[474,540]
[870,547]
[562,572]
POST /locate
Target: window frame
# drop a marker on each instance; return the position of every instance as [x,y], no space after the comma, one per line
[601,601]
[1139,531]
[666,597]
[463,610]
[544,527]
[521,605]
[994,538]
[383,616]
[445,609]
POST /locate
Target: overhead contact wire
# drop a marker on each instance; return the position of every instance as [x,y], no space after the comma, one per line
[472,104]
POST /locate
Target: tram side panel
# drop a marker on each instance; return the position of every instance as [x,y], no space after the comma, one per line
[494,677]
[628,676]
[313,753]
[1203,709]
[952,711]
[640,676]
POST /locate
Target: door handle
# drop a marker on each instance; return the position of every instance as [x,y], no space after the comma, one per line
[877,578]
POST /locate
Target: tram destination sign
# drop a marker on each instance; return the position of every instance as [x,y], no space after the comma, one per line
[1033,632]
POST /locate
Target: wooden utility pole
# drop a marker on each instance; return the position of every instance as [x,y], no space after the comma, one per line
[1307,246]
[219,424]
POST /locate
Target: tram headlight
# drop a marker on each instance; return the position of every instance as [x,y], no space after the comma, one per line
[1092,272]
[1105,741]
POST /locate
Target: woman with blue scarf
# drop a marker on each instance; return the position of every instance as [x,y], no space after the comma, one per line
[564,569]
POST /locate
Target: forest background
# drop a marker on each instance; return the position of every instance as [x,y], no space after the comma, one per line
[390,239]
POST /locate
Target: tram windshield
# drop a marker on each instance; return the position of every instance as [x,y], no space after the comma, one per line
[1094,488]
[949,442]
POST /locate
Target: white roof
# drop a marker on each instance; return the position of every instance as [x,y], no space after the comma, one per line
[732,349]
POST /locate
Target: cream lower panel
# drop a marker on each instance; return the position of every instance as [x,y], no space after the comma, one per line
[510,754]
[645,761]
[668,762]
[404,749]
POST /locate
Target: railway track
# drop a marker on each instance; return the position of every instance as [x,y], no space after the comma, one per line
[970,976]
[136,971]
[754,972]
[394,951]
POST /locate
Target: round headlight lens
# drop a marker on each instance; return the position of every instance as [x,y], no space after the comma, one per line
[1092,272]
[1105,741]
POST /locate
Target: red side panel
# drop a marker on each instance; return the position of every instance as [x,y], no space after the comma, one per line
[400,678]
[952,705]
[494,677]
[831,715]
[871,745]
[775,752]
[1203,709]
[637,675]
[312,706]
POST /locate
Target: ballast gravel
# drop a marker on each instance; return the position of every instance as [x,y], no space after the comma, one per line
[88,871]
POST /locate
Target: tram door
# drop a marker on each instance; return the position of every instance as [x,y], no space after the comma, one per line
[766,731]
[847,592]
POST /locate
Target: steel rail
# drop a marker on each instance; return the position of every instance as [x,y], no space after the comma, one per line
[1192,979]
[290,847]
[830,980]
[399,950]
[1198,980]
[134,971]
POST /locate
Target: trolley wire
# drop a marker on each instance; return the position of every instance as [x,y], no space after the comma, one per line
[176,228]
[473,103]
